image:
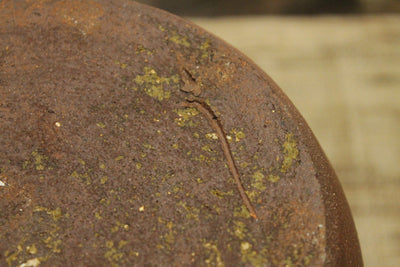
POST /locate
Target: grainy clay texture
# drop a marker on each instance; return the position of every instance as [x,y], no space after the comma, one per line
[101,164]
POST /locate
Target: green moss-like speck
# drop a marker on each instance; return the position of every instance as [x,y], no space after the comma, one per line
[154,85]
[207,148]
[242,212]
[191,212]
[203,158]
[141,49]
[148,146]
[238,134]
[258,178]
[119,158]
[204,48]
[273,178]
[220,194]
[244,164]
[56,213]
[175,146]
[169,237]
[179,39]
[101,125]
[212,136]
[249,255]
[103,179]
[113,255]
[214,255]
[239,230]
[185,116]
[40,160]
[290,152]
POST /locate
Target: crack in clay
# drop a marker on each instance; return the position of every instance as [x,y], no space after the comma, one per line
[217,126]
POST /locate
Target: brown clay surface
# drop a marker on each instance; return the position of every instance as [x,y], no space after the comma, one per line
[101,164]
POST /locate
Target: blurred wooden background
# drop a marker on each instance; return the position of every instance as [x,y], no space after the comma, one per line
[276,7]
[343,74]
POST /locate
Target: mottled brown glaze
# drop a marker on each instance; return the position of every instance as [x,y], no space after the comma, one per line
[101,164]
